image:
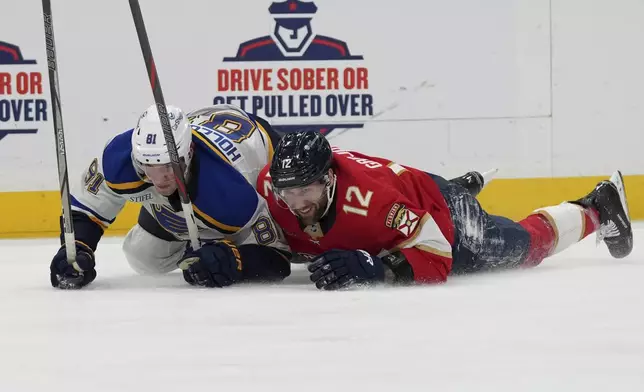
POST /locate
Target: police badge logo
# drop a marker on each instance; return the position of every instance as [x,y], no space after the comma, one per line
[296,77]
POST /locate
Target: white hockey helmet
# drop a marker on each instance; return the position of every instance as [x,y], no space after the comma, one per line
[148,142]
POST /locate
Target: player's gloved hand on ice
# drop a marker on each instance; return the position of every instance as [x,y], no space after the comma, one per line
[337,269]
[215,264]
[73,276]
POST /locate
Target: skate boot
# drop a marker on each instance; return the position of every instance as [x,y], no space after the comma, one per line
[474,181]
[609,199]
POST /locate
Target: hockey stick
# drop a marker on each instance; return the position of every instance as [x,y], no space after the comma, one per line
[165,124]
[63,178]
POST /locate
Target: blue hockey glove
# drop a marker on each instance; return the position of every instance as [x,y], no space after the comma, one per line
[337,269]
[67,276]
[216,264]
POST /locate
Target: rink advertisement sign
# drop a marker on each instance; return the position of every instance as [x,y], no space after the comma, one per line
[23,107]
[294,77]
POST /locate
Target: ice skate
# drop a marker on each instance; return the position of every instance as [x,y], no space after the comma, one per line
[474,181]
[609,199]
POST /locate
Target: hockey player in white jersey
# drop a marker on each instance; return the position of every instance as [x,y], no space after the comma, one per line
[223,149]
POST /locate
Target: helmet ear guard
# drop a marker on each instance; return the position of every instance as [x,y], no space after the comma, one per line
[330,193]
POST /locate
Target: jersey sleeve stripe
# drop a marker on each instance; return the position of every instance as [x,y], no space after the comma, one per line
[127,187]
[396,168]
[84,208]
[267,141]
[211,145]
[210,221]
[98,222]
[434,251]
[428,235]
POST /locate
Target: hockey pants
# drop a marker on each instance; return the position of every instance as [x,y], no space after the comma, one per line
[482,242]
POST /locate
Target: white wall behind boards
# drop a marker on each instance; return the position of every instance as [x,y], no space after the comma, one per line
[598,86]
[449,85]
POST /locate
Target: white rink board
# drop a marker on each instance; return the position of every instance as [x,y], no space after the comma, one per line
[455,147]
[457,85]
[458,58]
[597,87]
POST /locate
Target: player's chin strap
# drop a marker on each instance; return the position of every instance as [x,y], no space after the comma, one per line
[330,193]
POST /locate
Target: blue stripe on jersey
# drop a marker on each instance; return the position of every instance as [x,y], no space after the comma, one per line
[224,200]
[82,206]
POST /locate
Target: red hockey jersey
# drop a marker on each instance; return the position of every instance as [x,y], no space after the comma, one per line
[379,207]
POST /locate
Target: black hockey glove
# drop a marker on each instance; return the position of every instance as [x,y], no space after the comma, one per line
[337,269]
[67,276]
[216,264]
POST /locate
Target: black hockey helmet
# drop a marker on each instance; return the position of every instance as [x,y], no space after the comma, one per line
[300,159]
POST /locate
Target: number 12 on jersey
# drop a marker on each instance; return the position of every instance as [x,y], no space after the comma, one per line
[354,195]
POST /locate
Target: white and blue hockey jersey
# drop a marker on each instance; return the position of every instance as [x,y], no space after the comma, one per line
[230,149]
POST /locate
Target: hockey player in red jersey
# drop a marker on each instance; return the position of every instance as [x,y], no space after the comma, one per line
[363,220]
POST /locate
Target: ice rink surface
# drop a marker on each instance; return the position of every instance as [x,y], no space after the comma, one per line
[574,323]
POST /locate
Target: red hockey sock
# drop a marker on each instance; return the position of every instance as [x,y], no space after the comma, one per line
[544,236]
[591,221]
[542,239]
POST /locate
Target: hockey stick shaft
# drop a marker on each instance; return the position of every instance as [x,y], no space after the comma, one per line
[61,152]
[165,123]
